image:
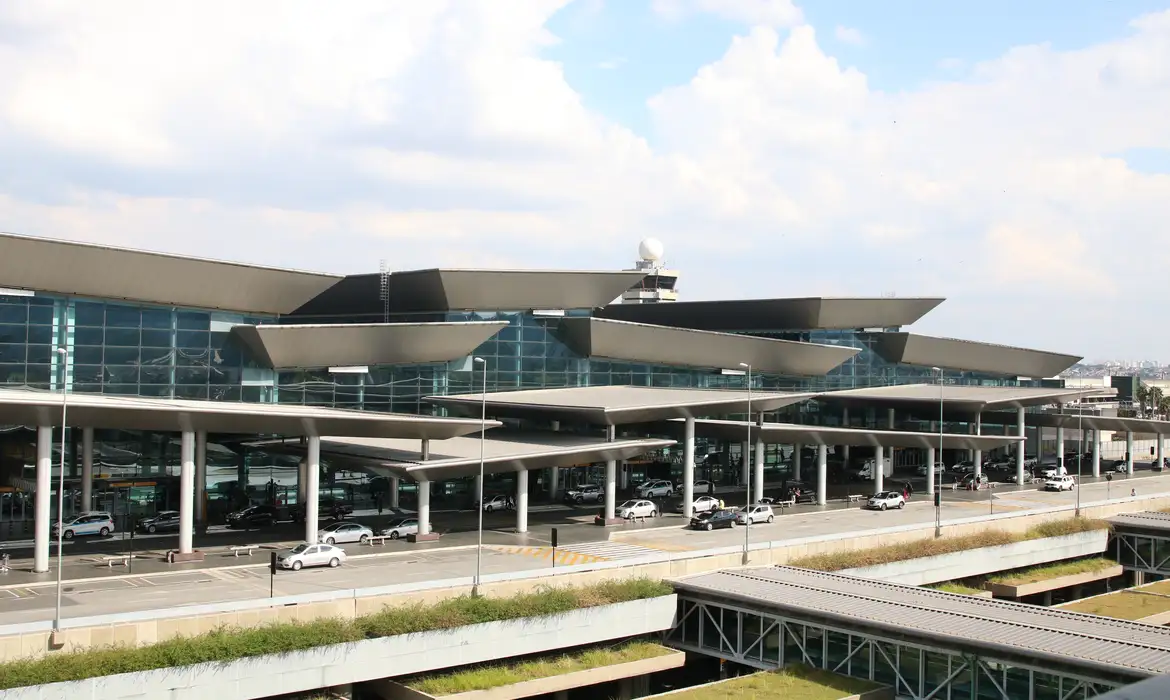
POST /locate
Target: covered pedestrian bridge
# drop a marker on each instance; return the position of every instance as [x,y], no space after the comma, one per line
[193,420]
[926,644]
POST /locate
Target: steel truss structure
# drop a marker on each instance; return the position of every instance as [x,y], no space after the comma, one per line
[769,641]
[1149,554]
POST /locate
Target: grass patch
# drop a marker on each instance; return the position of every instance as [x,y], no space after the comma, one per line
[1123,605]
[497,675]
[931,547]
[954,587]
[1036,574]
[791,683]
[229,644]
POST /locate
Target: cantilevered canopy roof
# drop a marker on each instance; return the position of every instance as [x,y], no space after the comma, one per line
[972,398]
[793,434]
[777,314]
[1088,422]
[950,353]
[83,269]
[33,408]
[506,290]
[1029,635]
[284,346]
[639,342]
[502,451]
[1147,522]
[616,405]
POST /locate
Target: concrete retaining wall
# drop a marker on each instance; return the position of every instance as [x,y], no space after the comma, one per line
[341,664]
[150,626]
[986,560]
[1004,590]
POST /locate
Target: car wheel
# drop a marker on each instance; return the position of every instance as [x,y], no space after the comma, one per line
[901,505]
[68,534]
[653,514]
[297,566]
[104,532]
[883,506]
[710,527]
[732,524]
[152,529]
[578,500]
[334,563]
[332,541]
[770,518]
[363,539]
[394,535]
[487,509]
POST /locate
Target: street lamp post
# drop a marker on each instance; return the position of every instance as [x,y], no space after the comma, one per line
[938,486]
[61,491]
[747,512]
[1080,454]
[479,482]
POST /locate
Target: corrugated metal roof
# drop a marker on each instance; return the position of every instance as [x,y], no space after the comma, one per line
[1148,520]
[1076,638]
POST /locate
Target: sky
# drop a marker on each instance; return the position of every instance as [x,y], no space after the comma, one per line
[1011,157]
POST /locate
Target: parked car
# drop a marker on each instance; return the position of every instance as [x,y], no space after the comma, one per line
[401,527]
[1060,483]
[654,488]
[497,502]
[971,481]
[587,492]
[701,486]
[637,508]
[714,519]
[799,492]
[100,524]
[702,504]
[1165,463]
[939,468]
[759,513]
[311,555]
[252,516]
[1054,472]
[163,520]
[884,500]
[964,467]
[344,532]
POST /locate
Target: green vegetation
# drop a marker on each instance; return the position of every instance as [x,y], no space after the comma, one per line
[1036,574]
[1123,605]
[497,675]
[956,587]
[229,644]
[930,547]
[791,683]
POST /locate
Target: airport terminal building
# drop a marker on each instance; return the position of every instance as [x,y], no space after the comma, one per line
[130,333]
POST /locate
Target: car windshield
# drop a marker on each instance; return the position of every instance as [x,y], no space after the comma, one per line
[300,548]
[334,526]
[628,504]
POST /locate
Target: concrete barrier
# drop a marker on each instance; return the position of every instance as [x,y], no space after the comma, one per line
[341,664]
[1004,590]
[150,626]
[986,560]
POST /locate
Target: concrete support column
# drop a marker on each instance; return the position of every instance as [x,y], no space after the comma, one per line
[1020,446]
[1129,453]
[522,500]
[553,479]
[394,481]
[625,475]
[758,475]
[479,490]
[186,491]
[879,468]
[745,467]
[845,423]
[797,449]
[41,527]
[977,456]
[201,477]
[313,488]
[1096,452]
[1059,448]
[689,468]
[822,473]
[86,469]
[610,480]
[1159,451]
[1039,444]
[930,475]
[424,507]
[302,480]
[890,418]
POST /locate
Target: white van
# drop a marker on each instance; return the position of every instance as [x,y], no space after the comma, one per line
[866,471]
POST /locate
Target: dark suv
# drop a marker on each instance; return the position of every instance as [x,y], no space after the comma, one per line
[253,516]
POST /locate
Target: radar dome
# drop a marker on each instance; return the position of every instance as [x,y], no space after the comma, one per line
[651,250]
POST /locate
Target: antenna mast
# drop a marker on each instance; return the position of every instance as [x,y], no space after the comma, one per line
[384,290]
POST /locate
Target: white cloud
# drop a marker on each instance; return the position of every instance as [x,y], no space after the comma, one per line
[436,134]
[612,63]
[769,13]
[849,35]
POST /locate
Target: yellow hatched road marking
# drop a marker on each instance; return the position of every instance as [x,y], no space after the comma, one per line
[563,557]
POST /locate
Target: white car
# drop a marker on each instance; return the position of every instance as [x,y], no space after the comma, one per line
[1054,472]
[759,513]
[656,487]
[311,555]
[344,531]
[702,486]
[1060,483]
[939,468]
[637,508]
[702,504]
[497,502]
[401,527]
[883,500]
[91,523]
